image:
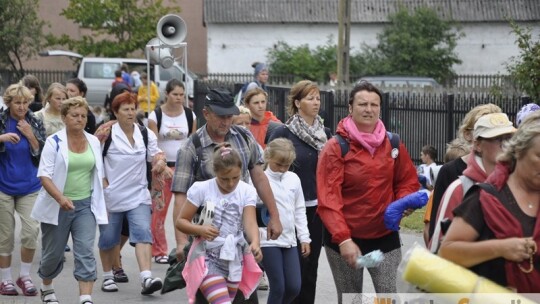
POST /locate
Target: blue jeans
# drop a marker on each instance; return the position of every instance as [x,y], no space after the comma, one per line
[81,223]
[282,266]
[139,220]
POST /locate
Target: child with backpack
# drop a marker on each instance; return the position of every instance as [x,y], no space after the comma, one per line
[221,261]
[281,264]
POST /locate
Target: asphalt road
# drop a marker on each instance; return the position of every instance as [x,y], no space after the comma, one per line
[67,289]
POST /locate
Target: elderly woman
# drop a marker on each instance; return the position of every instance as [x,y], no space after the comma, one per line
[355,189]
[77,87]
[495,231]
[308,134]
[71,201]
[22,137]
[126,192]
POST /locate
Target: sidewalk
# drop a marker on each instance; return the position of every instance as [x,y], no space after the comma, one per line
[67,289]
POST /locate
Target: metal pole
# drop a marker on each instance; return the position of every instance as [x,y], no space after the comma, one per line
[148,77]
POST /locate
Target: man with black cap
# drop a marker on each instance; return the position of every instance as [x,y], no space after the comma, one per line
[194,159]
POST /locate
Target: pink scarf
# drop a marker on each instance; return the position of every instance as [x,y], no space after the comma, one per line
[370,141]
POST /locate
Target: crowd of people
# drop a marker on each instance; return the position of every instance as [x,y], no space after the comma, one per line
[251,194]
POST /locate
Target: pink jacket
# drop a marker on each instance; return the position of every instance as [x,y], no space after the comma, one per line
[195,271]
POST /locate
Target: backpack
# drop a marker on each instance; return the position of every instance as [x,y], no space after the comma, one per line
[199,151]
[189,117]
[344,145]
[144,132]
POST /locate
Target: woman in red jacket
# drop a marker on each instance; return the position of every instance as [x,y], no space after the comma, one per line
[354,191]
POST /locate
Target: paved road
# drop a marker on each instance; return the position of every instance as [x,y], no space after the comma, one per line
[67,288]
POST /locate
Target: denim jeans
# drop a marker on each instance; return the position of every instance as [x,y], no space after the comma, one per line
[139,220]
[81,223]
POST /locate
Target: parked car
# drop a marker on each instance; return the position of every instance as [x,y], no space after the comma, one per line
[98,73]
[401,81]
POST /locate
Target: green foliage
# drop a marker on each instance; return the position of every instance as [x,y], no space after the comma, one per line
[417,44]
[303,62]
[525,68]
[21,33]
[117,28]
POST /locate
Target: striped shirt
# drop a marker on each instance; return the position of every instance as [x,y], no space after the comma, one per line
[184,174]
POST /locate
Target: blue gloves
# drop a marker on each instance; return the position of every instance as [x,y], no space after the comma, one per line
[394,211]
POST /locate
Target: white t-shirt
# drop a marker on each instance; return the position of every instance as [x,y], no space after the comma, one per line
[125,170]
[172,133]
[425,171]
[229,208]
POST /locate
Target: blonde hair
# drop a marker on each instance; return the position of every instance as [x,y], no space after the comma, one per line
[17,91]
[73,102]
[281,150]
[244,110]
[456,149]
[521,141]
[54,86]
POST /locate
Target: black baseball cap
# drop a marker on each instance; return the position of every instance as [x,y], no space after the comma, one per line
[221,102]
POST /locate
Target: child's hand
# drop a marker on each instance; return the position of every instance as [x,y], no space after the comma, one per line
[209,233]
[256,251]
[306,250]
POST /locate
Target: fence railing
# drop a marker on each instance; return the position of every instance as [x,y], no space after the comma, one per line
[420,118]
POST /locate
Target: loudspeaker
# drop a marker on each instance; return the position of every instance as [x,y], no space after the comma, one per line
[161,56]
[171,29]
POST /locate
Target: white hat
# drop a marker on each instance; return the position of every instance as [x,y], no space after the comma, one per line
[493,125]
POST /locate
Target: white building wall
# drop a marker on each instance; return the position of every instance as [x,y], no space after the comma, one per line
[233,48]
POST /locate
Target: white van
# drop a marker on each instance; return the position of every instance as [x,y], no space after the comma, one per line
[98,74]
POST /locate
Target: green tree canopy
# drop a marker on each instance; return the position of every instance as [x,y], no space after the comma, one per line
[116,27]
[525,68]
[416,44]
[21,33]
[302,61]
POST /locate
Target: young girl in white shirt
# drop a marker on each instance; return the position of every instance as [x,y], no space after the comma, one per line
[220,260]
[281,262]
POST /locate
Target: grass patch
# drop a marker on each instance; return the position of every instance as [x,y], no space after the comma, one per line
[415,221]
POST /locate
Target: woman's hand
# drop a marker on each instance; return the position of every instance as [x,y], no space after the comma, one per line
[65,203]
[306,249]
[10,137]
[256,251]
[350,252]
[516,249]
[208,233]
[25,128]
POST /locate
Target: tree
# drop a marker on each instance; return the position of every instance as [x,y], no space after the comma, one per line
[303,62]
[525,68]
[117,27]
[417,44]
[21,33]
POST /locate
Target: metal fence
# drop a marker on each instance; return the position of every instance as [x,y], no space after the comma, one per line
[421,118]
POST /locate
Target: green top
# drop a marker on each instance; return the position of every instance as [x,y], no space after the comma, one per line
[79,177]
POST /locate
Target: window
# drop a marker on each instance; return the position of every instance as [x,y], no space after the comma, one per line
[100,70]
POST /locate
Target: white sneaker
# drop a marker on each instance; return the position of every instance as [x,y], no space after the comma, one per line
[263,283]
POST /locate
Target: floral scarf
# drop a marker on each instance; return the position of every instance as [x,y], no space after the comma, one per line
[312,135]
